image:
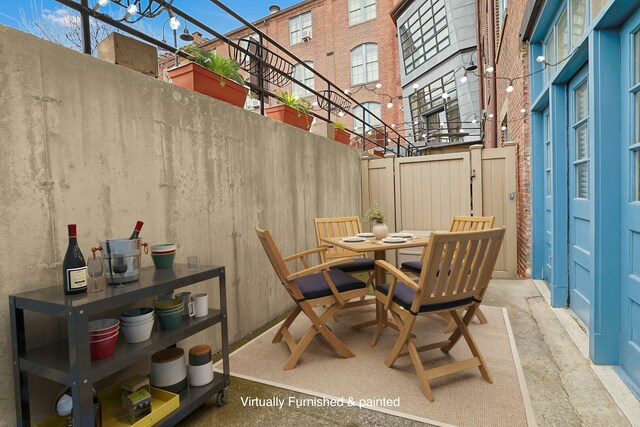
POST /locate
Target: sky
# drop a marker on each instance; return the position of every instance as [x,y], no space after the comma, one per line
[28,15]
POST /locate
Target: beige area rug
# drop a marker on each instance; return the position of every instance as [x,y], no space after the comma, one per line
[462,399]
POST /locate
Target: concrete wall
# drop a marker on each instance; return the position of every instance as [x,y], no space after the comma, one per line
[93,143]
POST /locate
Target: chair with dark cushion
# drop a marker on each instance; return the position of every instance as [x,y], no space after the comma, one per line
[343,227]
[314,286]
[459,223]
[470,258]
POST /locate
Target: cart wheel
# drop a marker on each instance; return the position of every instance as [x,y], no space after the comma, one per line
[221,398]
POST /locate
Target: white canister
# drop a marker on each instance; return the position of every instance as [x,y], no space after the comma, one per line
[169,370]
[201,375]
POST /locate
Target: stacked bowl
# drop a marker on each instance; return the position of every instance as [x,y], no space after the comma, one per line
[163,254]
[103,336]
[137,324]
[169,313]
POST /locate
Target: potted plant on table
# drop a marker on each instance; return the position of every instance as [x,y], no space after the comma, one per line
[340,134]
[376,218]
[212,75]
[292,110]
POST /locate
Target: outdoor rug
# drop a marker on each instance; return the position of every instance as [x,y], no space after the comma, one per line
[462,399]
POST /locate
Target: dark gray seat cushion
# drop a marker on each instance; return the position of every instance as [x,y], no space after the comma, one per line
[403,296]
[359,264]
[413,266]
[314,285]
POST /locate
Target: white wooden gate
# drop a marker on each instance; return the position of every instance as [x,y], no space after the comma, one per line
[423,193]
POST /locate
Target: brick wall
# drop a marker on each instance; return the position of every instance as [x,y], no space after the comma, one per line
[512,61]
[330,47]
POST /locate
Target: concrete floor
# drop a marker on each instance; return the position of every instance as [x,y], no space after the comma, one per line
[563,388]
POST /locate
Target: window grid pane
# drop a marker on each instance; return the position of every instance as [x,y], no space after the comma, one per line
[550,54]
[636,171]
[582,142]
[581,103]
[578,20]
[582,180]
[371,121]
[426,27]
[296,25]
[637,57]
[364,64]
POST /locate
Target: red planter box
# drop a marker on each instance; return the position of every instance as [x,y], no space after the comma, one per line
[289,115]
[341,135]
[196,78]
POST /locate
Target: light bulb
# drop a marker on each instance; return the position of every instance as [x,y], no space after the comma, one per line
[509,89]
[522,110]
[463,79]
[441,124]
[390,105]
[461,130]
[346,91]
[491,116]
[541,58]
[315,104]
[489,70]
[341,114]
[99,4]
[445,95]
[415,86]
[174,23]
[389,140]
[393,125]
[369,133]
[503,128]
[415,123]
[424,135]
[474,121]
[133,9]
[378,85]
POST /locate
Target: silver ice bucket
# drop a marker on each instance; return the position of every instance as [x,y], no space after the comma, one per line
[121,248]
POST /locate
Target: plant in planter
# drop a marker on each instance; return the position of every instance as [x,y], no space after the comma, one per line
[292,110]
[340,134]
[212,75]
[376,217]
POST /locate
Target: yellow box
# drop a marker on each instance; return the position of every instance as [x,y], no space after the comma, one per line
[162,404]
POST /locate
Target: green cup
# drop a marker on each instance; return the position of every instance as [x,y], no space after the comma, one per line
[163,261]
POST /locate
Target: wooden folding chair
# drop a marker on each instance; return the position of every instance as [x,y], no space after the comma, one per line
[311,287]
[343,227]
[458,223]
[470,258]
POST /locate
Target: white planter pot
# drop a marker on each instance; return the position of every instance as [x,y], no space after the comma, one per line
[380,230]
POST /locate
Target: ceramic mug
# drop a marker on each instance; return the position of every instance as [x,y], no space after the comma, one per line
[201,302]
[188,304]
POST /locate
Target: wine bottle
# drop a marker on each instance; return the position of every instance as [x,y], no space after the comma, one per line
[74,269]
[136,230]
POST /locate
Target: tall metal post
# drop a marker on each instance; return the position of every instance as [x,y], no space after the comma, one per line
[86,28]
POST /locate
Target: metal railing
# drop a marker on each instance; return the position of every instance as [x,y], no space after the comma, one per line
[270,63]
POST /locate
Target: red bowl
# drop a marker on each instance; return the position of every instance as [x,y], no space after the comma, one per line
[94,338]
[102,349]
[103,326]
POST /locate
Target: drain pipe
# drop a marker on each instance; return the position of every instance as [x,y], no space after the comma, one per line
[493,123]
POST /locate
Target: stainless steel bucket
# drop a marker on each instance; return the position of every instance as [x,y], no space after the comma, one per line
[124,248]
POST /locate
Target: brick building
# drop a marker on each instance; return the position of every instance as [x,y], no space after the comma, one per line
[507,113]
[352,43]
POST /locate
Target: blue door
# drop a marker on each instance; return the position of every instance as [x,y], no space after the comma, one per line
[630,295]
[580,237]
[548,193]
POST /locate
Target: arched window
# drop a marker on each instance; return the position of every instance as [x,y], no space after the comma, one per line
[364,64]
[371,109]
[303,75]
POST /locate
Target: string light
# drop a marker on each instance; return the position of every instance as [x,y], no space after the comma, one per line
[445,95]
[131,10]
[346,91]
[503,128]
[341,114]
[415,86]
[378,85]
[390,104]
[510,87]
[489,70]
[541,59]
[522,110]
[100,4]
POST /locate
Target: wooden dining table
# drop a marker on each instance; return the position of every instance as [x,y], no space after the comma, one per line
[379,249]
